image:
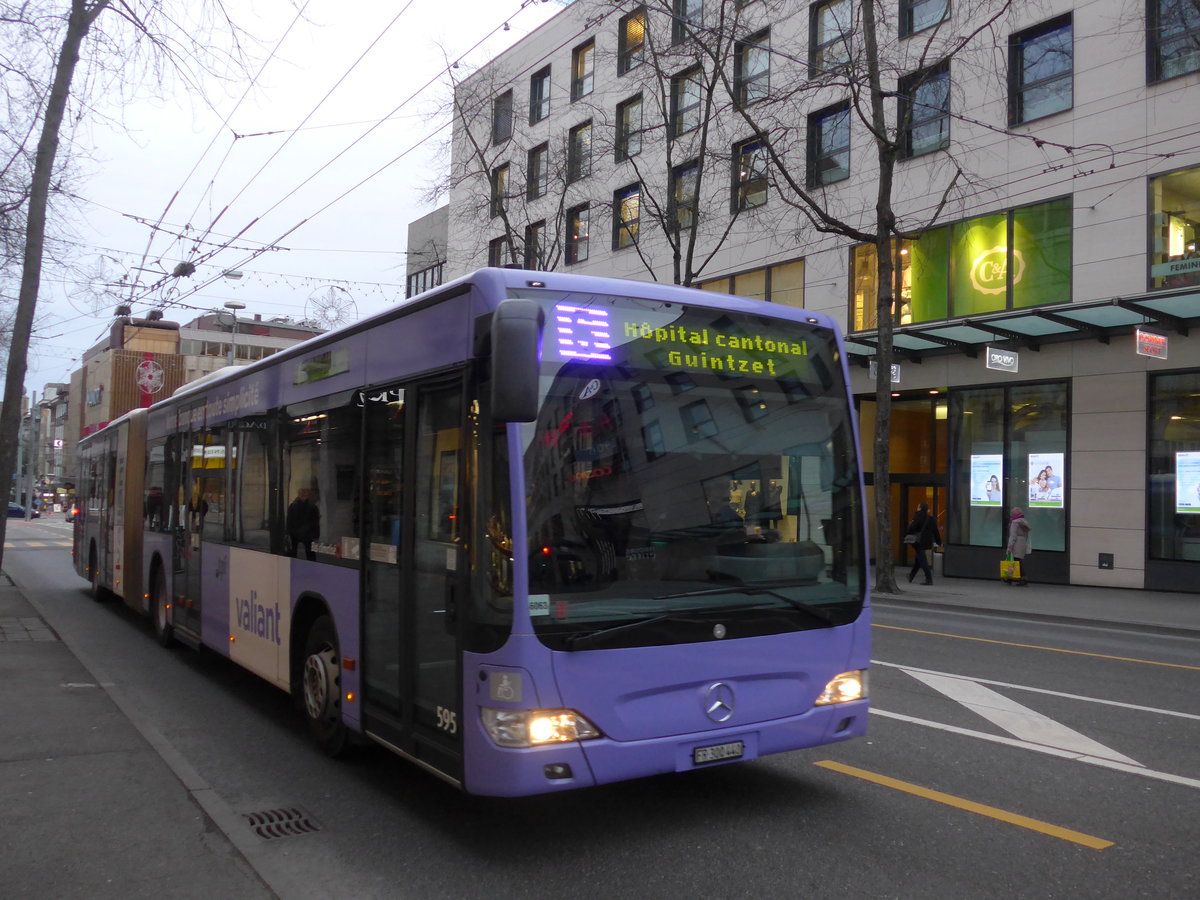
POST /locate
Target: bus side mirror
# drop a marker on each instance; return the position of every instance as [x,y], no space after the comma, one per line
[516,360]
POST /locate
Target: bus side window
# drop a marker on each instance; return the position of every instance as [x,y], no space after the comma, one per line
[322,440]
[250,490]
[155,505]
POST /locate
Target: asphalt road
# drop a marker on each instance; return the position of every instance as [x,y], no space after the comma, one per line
[1005,758]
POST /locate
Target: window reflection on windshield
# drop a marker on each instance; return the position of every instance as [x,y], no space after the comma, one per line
[659,482]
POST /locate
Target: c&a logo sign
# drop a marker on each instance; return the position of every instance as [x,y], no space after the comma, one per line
[990,268]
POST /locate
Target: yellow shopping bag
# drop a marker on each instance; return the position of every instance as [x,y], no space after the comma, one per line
[1010,569]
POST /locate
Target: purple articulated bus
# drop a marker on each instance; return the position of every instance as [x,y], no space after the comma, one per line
[530,531]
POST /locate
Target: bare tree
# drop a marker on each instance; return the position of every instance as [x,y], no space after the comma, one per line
[138,32]
[897,91]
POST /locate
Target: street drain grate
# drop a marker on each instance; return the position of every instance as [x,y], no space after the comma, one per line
[280,823]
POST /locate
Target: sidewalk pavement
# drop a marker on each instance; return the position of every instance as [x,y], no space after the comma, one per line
[1152,610]
[89,805]
[93,802]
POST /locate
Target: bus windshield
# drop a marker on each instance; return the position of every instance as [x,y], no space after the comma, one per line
[691,476]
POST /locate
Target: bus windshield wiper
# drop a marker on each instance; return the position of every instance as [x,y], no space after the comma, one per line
[583,640]
[736,585]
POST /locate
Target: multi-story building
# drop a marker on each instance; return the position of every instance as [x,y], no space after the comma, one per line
[146,360]
[1046,189]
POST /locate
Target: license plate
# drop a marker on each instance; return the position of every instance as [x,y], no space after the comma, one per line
[718,752]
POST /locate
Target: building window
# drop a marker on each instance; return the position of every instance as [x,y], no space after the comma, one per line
[583,61]
[1172,38]
[502,108]
[499,189]
[829,145]
[687,92]
[1174,489]
[1008,260]
[577,234]
[536,175]
[917,15]
[752,402]
[830,32]
[500,252]
[1175,230]
[782,283]
[535,245]
[423,280]
[698,421]
[925,111]
[627,212]
[1014,435]
[686,15]
[1040,71]
[629,128]
[652,439]
[752,68]
[631,41]
[685,186]
[579,152]
[539,95]
[750,176]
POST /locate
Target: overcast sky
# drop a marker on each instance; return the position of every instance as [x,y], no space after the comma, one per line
[351,246]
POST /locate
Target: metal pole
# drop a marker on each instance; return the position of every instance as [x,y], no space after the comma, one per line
[32,456]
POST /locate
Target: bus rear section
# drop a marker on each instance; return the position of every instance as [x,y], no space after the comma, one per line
[107,532]
[690,572]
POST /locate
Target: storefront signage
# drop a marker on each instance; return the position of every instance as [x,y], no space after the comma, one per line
[1003,360]
[1176,267]
[895,371]
[987,474]
[1151,344]
[989,270]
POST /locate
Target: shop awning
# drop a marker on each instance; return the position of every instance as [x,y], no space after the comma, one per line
[1030,328]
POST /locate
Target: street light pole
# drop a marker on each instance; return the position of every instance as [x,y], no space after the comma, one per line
[233,306]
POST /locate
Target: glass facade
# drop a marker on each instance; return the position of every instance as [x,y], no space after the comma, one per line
[1008,447]
[1007,260]
[1174,459]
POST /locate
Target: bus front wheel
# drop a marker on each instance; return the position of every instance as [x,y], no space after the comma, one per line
[322,687]
[160,611]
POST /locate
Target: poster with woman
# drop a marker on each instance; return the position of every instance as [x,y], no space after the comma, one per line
[1046,481]
[987,474]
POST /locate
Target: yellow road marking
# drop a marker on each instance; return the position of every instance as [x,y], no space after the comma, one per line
[1065,834]
[961,637]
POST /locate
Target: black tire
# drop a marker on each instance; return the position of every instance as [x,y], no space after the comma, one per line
[321,688]
[160,611]
[97,592]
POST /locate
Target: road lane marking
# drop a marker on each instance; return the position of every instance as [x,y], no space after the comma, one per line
[1019,721]
[1181,780]
[1036,690]
[1147,662]
[992,812]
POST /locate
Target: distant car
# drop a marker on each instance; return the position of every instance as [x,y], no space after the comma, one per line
[17,511]
[72,512]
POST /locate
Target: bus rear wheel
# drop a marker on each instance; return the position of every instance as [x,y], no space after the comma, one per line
[160,611]
[321,687]
[94,588]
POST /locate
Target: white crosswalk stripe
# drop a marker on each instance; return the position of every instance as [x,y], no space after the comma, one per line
[1019,721]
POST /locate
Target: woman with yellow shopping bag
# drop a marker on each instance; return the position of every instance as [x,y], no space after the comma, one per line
[1018,549]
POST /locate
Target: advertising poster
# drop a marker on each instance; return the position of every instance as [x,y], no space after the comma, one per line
[1187,481]
[1046,489]
[987,476]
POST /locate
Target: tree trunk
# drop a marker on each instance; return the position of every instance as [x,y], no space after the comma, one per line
[79,22]
[885,226]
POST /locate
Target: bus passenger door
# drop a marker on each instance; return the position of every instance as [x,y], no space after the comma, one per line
[414,561]
[436,575]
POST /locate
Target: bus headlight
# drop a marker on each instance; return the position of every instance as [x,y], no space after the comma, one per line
[534,727]
[844,688]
